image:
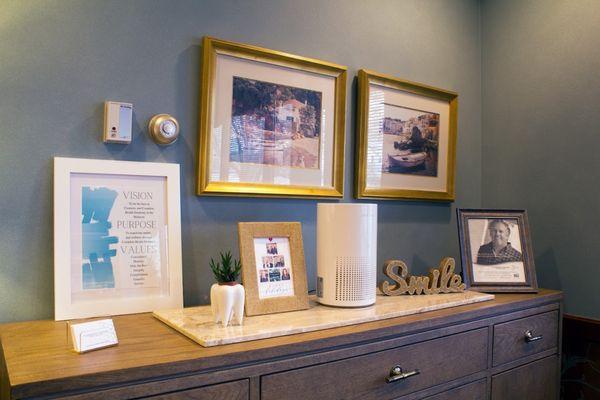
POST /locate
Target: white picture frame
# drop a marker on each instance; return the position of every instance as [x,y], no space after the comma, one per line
[144,240]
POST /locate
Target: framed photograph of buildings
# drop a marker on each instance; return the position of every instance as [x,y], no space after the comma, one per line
[117,237]
[273,268]
[406,139]
[271,123]
[496,250]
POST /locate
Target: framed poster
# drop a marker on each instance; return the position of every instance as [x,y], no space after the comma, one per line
[271,123]
[406,139]
[117,237]
[496,250]
[273,268]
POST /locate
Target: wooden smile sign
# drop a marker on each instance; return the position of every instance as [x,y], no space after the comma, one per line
[440,280]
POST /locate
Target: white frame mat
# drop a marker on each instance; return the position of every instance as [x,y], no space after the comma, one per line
[163,288]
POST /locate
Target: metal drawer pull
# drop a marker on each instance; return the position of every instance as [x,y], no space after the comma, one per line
[397,374]
[530,338]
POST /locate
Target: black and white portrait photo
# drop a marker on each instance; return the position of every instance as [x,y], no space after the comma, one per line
[499,249]
[496,249]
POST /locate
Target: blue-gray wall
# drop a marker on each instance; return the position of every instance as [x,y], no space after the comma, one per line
[60,60]
[541,111]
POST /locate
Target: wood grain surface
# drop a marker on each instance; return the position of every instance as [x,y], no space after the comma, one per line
[440,280]
[437,361]
[509,337]
[37,357]
[238,390]
[471,391]
[534,381]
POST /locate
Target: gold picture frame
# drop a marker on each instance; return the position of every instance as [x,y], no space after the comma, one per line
[393,160]
[273,267]
[289,146]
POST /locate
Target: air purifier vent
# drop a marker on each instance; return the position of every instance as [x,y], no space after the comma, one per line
[346,254]
[353,282]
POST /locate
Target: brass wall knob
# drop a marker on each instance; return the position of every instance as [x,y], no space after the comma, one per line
[163,129]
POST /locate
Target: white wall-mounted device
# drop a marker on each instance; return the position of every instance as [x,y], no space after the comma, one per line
[117,122]
[346,254]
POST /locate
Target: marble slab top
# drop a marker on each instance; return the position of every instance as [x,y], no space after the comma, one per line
[197,323]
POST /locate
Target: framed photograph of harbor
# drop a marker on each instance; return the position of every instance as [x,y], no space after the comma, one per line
[406,139]
[273,268]
[496,250]
[271,123]
[117,237]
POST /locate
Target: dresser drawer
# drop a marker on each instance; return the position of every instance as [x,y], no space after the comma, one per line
[470,391]
[364,377]
[511,343]
[238,390]
[534,381]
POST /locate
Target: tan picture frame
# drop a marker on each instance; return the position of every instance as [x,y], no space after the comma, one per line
[434,188]
[265,180]
[249,232]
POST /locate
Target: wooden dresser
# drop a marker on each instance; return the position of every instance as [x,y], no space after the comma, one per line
[477,351]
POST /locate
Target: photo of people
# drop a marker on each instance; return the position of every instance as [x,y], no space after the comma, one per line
[496,250]
[273,267]
[267,262]
[279,261]
[275,275]
[271,248]
[275,124]
[410,141]
[263,275]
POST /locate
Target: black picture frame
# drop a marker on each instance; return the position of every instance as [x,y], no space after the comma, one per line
[506,263]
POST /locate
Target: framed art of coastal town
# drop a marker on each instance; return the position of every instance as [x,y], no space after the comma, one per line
[406,142]
[271,123]
[496,251]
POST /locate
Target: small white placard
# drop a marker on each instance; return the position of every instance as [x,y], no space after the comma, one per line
[93,335]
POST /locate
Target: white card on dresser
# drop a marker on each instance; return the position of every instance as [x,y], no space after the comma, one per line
[93,335]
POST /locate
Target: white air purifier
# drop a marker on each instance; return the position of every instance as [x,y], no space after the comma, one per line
[346,254]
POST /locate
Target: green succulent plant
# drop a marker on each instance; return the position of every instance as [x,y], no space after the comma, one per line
[227,270]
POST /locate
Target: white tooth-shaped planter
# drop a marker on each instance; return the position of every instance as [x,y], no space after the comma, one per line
[227,303]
